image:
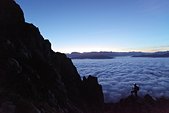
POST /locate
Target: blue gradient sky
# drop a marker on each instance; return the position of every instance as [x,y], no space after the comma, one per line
[101,25]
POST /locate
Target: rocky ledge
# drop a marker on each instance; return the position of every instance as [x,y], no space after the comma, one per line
[133,104]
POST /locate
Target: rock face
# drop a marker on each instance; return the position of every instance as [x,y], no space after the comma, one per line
[35,79]
[91,89]
[10,12]
[133,104]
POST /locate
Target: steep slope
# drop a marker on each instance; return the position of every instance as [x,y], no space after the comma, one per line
[33,78]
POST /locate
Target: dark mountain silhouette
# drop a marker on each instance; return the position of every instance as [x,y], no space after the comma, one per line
[35,79]
[110,55]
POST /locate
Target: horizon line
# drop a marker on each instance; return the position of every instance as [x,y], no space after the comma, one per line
[113,51]
[84,50]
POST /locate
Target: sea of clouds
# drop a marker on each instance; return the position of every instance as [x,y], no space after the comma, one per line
[118,75]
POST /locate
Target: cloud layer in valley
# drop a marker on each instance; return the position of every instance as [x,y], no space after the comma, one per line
[118,75]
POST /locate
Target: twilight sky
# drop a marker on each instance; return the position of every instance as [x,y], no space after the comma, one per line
[101,25]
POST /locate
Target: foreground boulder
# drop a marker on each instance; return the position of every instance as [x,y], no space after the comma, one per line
[133,104]
[93,93]
[34,78]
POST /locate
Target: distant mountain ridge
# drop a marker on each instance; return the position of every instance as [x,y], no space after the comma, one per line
[110,55]
[155,54]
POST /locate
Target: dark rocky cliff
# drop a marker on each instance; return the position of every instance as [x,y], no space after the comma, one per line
[35,79]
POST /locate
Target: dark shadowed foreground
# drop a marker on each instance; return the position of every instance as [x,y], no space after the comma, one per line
[35,79]
[133,104]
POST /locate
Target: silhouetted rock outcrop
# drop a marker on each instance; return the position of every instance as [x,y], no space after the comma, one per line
[33,78]
[10,13]
[133,104]
[93,89]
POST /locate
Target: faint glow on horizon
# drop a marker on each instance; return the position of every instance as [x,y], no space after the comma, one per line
[85,49]
[150,49]
[98,49]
